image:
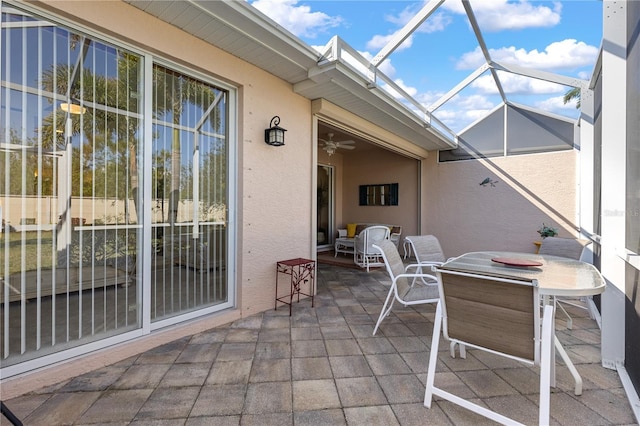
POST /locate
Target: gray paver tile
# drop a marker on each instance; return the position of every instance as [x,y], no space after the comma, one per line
[264,398]
[229,372]
[311,368]
[169,403]
[199,353]
[387,364]
[315,395]
[270,350]
[61,408]
[360,391]
[163,354]
[185,375]
[219,400]
[402,388]
[270,370]
[275,419]
[308,348]
[236,351]
[306,333]
[213,420]
[333,417]
[419,415]
[342,347]
[115,406]
[371,416]
[486,383]
[350,366]
[142,376]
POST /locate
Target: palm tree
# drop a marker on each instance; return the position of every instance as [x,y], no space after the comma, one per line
[572,94]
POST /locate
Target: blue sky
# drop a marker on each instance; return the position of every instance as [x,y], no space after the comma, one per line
[561,37]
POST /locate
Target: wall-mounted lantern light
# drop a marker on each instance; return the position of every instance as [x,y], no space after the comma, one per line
[274,135]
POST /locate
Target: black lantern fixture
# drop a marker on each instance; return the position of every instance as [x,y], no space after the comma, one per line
[274,135]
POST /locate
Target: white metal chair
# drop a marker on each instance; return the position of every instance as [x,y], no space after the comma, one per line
[497,315]
[573,249]
[401,288]
[427,251]
[364,254]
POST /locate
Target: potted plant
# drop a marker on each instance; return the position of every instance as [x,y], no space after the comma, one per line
[547,231]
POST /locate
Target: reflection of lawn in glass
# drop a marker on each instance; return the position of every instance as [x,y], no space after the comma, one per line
[28,240]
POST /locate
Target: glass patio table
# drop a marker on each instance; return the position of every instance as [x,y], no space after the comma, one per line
[556,276]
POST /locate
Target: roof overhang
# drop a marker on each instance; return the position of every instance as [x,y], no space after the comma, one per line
[241,30]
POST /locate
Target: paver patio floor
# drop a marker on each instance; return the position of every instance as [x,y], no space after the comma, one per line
[322,366]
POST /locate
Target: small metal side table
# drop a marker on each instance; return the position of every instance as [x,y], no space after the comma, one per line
[301,271]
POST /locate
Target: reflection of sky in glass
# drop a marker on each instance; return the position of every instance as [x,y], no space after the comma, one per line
[54,51]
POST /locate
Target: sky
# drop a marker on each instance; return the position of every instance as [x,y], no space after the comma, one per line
[561,37]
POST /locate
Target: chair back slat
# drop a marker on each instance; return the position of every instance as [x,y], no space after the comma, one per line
[564,247]
[491,313]
[426,248]
[394,265]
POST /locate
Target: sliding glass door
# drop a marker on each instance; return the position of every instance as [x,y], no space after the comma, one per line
[73,203]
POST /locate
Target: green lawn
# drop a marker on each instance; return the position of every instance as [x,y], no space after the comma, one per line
[27,243]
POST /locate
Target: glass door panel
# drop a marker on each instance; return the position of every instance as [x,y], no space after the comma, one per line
[69,155]
[324,206]
[189,195]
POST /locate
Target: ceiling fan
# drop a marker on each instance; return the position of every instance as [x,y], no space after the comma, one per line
[330,146]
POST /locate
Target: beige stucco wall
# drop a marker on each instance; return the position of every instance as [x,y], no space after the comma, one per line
[379,166]
[274,183]
[530,190]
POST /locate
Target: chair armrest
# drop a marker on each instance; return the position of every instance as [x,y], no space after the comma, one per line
[433,277]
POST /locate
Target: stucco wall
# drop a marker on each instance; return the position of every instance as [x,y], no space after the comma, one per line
[379,166]
[528,190]
[274,207]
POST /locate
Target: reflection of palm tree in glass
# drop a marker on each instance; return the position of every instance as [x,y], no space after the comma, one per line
[109,130]
[175,92]
[106,123]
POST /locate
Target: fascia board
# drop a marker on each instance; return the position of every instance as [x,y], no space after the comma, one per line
[403,121]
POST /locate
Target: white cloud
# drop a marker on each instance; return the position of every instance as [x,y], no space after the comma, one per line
[556,104]
[472,102]
[436,22]
[516,84]
[299,20]
[460,111]
[386,67]
[408,89]
[565,54]
[380,41]
[498,15]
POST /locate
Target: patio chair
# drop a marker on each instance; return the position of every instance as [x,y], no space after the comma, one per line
[364,254]
[427,251]
[498,315]
[573,249]
[401,288]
